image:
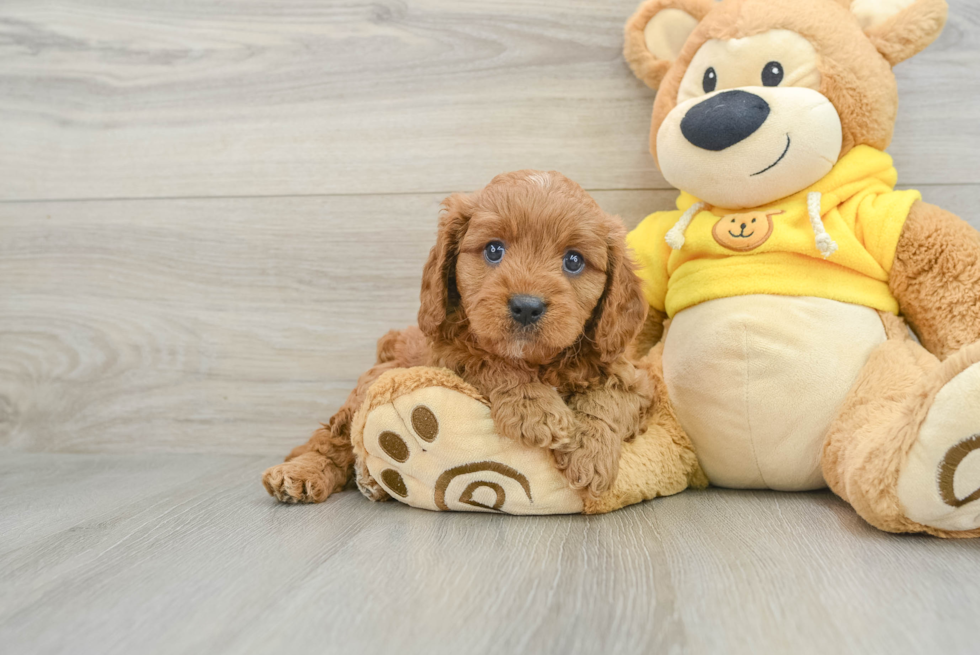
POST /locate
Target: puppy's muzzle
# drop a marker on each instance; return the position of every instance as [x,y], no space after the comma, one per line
[526,310]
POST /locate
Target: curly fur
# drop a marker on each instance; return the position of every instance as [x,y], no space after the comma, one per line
[563,383]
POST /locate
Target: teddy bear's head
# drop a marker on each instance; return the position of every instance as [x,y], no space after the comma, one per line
[758,99]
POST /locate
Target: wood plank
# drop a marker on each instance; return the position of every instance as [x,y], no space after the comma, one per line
[221,325]
[209,563]
[131,98]
[46,494]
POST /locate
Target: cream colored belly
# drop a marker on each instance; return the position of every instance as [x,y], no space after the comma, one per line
[757,380]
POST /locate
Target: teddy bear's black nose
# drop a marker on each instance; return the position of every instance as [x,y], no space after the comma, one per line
[725,119]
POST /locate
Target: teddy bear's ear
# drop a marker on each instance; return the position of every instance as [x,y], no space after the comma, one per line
[900,28]
[657,31]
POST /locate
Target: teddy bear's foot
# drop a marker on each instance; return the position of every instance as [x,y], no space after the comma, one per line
[939,485]
[427,439]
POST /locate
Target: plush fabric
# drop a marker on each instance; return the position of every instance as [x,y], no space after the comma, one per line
[858,206]
[665,35]
[426,438]
[854,76]
[881,422]
[645,64]
[757,380]
[797,145]
[903,444]
[777,343]
[900,29]
[936,279]
[947,445]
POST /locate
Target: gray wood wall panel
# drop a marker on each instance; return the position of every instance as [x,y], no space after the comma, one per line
[133,98]
[214,325]
[209,211]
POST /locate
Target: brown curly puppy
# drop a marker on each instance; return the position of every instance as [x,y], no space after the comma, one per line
[530,296]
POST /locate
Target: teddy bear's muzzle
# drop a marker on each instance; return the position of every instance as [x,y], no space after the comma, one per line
[724,119]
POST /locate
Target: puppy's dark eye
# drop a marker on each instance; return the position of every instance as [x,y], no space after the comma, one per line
[494,252]
[573,262]
[710,80]
[772,73]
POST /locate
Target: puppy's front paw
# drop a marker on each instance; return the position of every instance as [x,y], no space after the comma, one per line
[552,429]
[538,418]
[297,481]
[593,465]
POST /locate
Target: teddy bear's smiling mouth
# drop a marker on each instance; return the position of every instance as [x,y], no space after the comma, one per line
[741,235]
[785,150]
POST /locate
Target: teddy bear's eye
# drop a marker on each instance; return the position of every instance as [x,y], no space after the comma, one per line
[772,73]
[710,80]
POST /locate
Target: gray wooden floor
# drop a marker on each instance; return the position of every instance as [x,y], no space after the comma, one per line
[208,213]
[186,554]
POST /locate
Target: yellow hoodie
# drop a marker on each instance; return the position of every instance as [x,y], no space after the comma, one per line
[835,239]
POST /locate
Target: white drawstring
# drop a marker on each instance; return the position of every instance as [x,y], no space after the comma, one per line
[675,237]
[825,244]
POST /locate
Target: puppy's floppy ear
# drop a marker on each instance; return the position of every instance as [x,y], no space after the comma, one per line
[439,295]
[900,29]
[622,308]
[657,31]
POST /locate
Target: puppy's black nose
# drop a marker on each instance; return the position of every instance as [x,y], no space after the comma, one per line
[526,310]
[723,120]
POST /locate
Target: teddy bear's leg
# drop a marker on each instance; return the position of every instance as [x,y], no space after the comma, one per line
[660,461]
[905,449]
[426,438]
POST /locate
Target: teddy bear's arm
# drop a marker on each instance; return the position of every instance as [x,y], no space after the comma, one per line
[936,278]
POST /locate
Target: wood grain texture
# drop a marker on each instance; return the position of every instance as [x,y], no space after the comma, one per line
[136,98]
[208,325]
[209,211]
[190,555]
[214,325]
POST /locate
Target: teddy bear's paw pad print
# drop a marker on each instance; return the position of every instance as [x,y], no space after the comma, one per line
[939,485]
[437,449]
[484,486]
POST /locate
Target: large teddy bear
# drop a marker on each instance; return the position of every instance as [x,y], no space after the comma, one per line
[780,290]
